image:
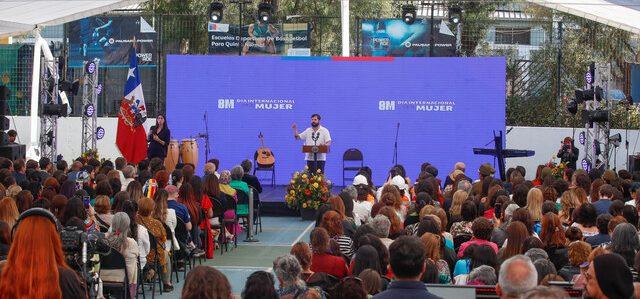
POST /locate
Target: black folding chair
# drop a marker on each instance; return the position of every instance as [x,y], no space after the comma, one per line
[155,265]
[350,156]
[140,289]
[242,210]
[114,261]
[231,205]
[271,169]
[218,212]
[172,253]
[183,254]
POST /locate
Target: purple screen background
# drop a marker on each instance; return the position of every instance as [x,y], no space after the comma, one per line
[347,95]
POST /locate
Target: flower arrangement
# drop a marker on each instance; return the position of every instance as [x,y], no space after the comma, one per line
[90,154]
[307,190]
[557,170]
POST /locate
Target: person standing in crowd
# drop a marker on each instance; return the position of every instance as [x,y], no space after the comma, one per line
[314,135]
[568,153]
[158,138]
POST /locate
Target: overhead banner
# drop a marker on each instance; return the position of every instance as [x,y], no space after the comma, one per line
[397,38]
[109,39]
[259,38]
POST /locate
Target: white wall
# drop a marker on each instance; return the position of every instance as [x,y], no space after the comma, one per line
[544,141]
[70,135]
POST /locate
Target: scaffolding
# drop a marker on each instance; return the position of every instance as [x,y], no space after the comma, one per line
[48,95]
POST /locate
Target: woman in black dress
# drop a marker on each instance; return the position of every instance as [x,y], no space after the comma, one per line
[158,138]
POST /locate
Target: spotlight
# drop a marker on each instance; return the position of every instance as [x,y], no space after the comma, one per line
[100,133]
[409,13]
[49,140]
[54,109]
[588,94]
[455,15]
[586,165]
[215,12]
[89,110]
[90,67]
[599,116]
[572,107]
[582,138]
[615,140]
[99,88]
[264,12]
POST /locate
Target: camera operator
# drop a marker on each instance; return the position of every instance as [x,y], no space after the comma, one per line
[568,153]
[36,267]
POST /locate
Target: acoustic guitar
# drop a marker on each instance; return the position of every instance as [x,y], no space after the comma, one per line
[265,156]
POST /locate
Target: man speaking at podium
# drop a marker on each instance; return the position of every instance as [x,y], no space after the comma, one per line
[315,135]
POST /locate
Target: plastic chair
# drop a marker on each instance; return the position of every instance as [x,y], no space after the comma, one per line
[218,212]
[115,261]
[231,205]
[351,156]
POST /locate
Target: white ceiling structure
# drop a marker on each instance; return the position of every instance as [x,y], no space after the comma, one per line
[22,16]
[622,14]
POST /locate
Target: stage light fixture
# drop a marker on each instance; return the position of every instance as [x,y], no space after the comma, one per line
[599,116]
[615,140]
[409,13]
[264,12]
[49,140]
[596,147]
[582,138]
[89,110]
[100,132]
[455,15]
[90,67]
[586,165]
[55,109]
[99,88]
[583,95]
[572,107]
[215,12]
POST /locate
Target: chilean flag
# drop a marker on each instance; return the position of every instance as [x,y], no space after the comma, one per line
[131,138]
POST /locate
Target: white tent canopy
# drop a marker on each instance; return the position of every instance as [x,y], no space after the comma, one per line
[622,14]
[22,16]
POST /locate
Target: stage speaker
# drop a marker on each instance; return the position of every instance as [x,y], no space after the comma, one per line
[634,163]
[13,151]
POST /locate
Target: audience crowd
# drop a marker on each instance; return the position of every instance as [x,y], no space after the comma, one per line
[536,238]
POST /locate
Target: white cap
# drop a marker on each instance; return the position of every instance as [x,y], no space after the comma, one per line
[360,180]
[399,182]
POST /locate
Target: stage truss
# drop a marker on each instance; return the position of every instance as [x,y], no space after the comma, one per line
[597,135]
[48,95]
[89,105]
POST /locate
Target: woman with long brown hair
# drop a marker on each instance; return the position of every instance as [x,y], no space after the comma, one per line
[332,222]
[145,218]
[433,243]
[554,240]
[516,234]
[188,199]
[396,229]
[8,211]
[47,277]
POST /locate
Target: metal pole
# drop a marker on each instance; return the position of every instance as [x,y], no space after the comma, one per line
[432,40]
[344,10]
[240,3]
[558,75]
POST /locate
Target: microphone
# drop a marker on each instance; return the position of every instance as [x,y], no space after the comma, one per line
[202,136]
[509,130]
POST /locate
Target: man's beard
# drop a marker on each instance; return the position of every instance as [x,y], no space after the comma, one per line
[315,125]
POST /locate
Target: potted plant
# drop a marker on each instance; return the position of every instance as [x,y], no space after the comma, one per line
[307,191]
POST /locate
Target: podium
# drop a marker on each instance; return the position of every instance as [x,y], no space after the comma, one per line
[315,149]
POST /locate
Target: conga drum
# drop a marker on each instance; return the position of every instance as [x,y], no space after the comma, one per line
[173,155]
[189,152]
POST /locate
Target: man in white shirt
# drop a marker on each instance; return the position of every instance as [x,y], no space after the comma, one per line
[314,135]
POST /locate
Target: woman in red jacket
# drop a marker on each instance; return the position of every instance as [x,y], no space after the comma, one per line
[322,260]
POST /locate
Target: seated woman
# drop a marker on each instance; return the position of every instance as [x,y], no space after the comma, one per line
[225,188]
[103,212]
[288,271]
[128,247]
[154,226]
[36,236]
[433,243]
[332,222]
[322,260]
